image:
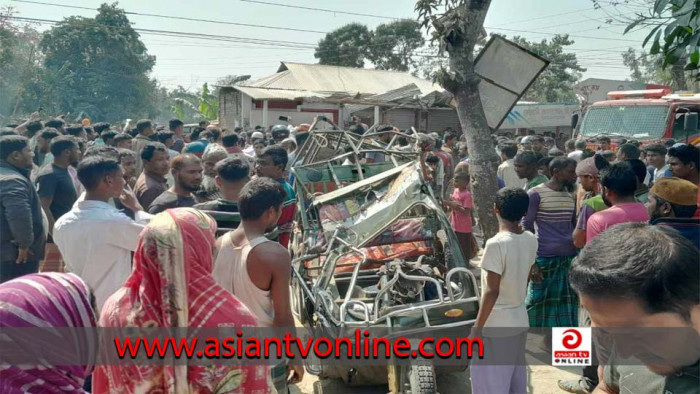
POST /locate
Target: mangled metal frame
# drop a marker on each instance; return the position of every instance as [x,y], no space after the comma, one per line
[413,192]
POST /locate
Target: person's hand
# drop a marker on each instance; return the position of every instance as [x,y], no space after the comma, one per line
[128,199]
[22,255]
[298,373]
[536,274]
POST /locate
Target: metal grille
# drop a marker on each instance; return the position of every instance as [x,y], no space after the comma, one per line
[639,121]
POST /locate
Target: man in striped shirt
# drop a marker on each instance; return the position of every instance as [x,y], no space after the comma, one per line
[551,216]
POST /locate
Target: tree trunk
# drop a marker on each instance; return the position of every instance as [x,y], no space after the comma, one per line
[678,73]
[464,85]
[483,160]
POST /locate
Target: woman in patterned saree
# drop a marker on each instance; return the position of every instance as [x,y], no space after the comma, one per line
[171,286]
[48,300]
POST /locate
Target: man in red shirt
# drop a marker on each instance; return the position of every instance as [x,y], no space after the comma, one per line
[619,183]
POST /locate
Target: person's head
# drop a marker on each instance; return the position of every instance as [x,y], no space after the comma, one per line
[77,131]
[271,162]
[525,163]
[289,144]
[144,127]
[461,180]
[555,152]
[127,159]
[637,275]
[58,124]
[7,131]
[684,162]
[386,134]
[260,201]
[580,145]
[301,138]
[538,143]
[43,141]
[156,159]
[618,182]
[511,204]
[669,142]
[279,133]
[212,156]
[563,171]
[508,149]
[588,153]
[195,135]
[639,169]
[229,139]
[635,143]
[672,198]
[34,127]
[102,176]
[42,301]
[109,152]
[526,143]
[101,127]
[258,146]
[464,150]
[176,126]
[604,143]
[232,174]
[203,124]
[108,137]
[213,134]
[543,166]
[64,149]
[587,171]
[656,155]
[357,129]
[450,139]
[187,172]
[14,149]
[165,137]
[609,156]
[432,161]
[570,145]
[122,141]
[627,152]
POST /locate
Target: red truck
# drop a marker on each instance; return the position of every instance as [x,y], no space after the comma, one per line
[643,115]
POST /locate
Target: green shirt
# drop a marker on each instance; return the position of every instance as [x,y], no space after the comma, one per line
[538,180]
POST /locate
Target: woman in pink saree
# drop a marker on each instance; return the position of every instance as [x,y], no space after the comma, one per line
[171,286]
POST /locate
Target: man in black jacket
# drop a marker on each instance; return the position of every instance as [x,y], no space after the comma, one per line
[22,236]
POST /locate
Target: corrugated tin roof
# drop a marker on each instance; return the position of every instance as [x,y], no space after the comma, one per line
[322,78]
[278,94]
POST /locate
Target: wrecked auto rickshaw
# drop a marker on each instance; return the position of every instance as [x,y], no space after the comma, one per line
[372,247]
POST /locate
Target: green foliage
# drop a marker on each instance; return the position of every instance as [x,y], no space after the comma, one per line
[556,83]
[646,68]
[675,33]
[103,64]
[204,106]
[393,45]
[346,46]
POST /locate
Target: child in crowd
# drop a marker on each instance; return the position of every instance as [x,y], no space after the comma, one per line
[461,217]
[506,263]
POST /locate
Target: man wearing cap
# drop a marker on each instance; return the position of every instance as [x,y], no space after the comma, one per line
[587,172]
[684,163]
[672,202]
[526,143]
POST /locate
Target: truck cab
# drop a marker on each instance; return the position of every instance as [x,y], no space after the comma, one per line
[644,115]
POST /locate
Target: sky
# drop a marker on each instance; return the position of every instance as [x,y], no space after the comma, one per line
[190,62]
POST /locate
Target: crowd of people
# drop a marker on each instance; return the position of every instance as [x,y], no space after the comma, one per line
[123,213]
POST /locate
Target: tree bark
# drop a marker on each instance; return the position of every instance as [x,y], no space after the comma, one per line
[463,83]
[678,73]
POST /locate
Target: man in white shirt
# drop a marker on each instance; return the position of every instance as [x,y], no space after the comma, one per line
[96,239]
[580,145]
[656,157]
[506,170]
